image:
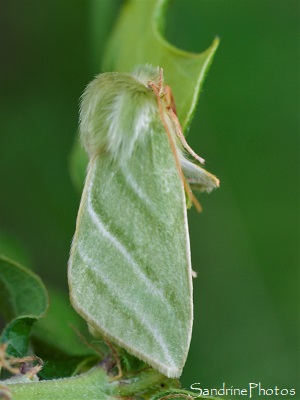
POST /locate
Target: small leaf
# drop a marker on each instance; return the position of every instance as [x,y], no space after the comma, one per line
[17,334]
[23,300]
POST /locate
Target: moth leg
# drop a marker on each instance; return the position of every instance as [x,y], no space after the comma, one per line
[181,136]
[173,147]
[170,99]
[171,107]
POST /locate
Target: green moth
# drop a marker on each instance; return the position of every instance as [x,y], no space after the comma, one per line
[130,272]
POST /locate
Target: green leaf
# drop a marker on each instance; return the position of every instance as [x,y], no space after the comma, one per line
[23,300]
[98,32]
[17,334]
[95,384]
[138,39]
[92,385]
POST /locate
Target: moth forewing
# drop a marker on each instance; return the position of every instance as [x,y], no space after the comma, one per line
[130,270]
[138,274]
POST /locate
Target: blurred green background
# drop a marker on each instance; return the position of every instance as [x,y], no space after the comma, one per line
[244,244]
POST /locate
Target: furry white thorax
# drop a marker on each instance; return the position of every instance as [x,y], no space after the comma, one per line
[121,143]
[117,111]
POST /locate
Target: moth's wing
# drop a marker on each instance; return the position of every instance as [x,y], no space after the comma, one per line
[131,254]
[198,178]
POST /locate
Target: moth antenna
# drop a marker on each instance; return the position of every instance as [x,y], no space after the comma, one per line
[173,148]
[161,80]
[158,86]
[181,136]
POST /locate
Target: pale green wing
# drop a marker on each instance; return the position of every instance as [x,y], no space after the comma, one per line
[131,253]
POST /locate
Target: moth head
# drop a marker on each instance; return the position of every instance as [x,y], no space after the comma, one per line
[149,76]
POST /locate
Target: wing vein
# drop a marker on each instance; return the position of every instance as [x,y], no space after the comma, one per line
[121,248]
[131,305]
